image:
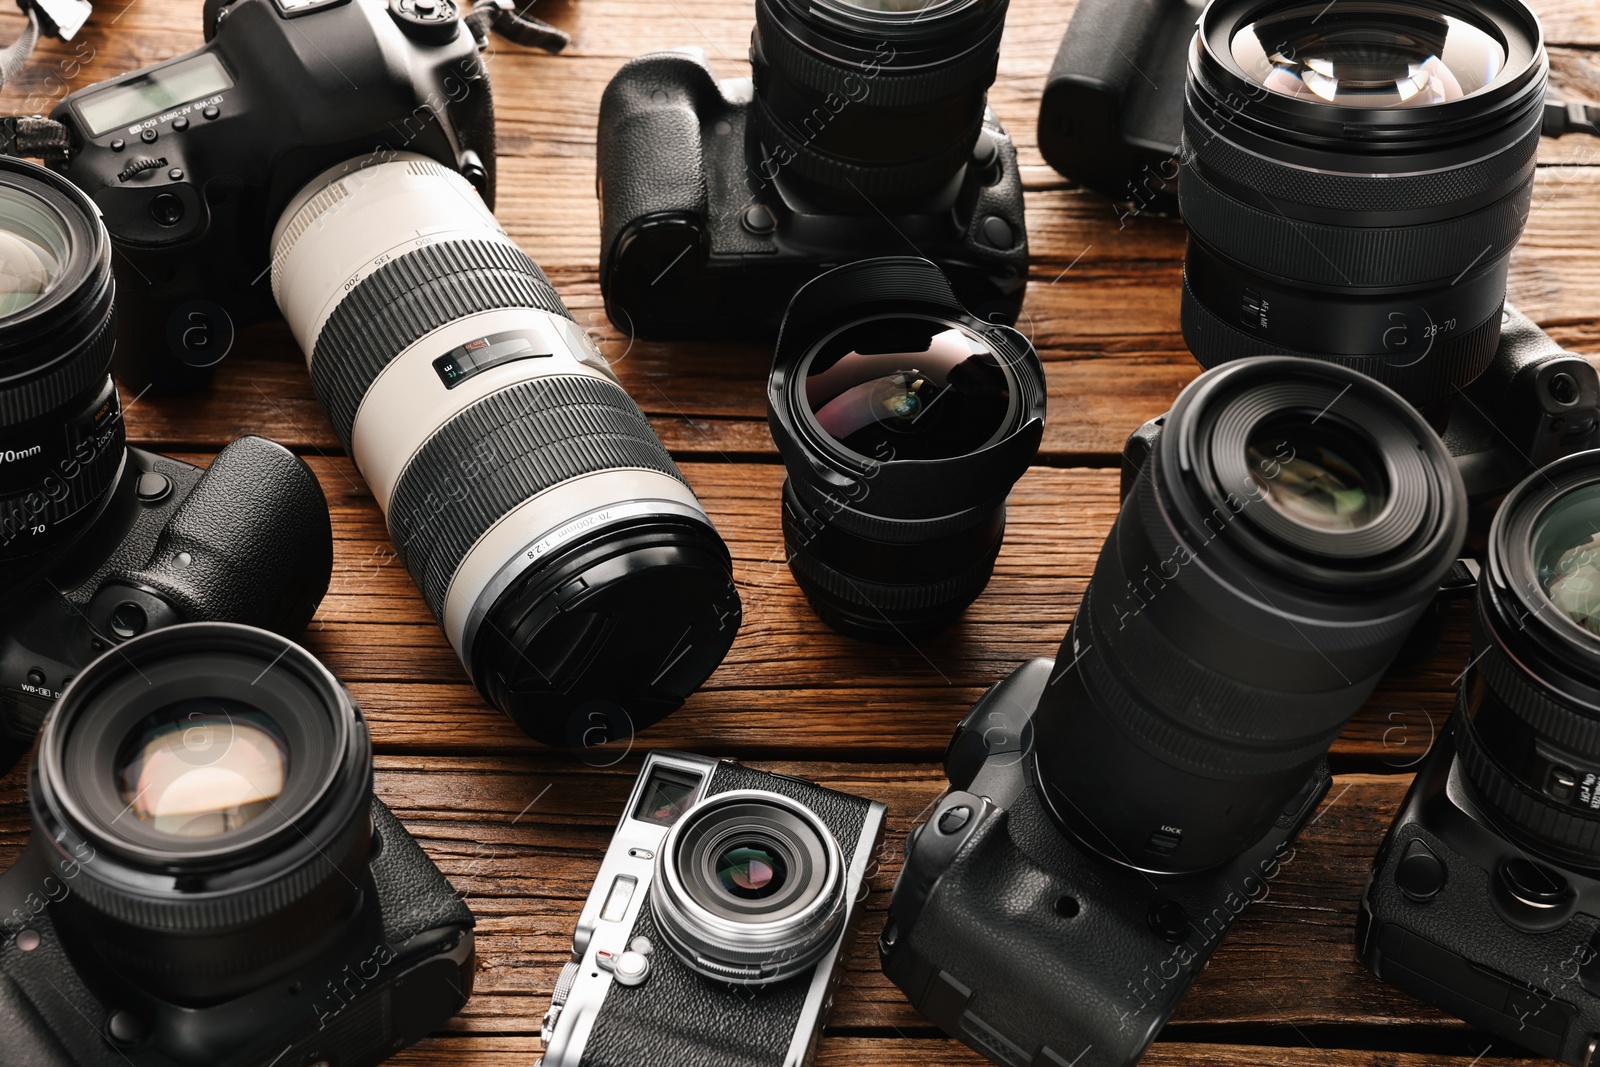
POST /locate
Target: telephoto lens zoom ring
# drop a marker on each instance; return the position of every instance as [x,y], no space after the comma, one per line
[408,298]
[30,399]
[1215,157]
[1225,755]
[517,442]
[1530,814]
[1422,381]
[886,86]
[1312,253]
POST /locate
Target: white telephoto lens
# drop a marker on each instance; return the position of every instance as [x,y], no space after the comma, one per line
[569,563]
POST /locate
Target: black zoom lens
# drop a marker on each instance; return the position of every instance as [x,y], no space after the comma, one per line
[1530,737]
[869,98]
[1354,178]
[903,422]
[61,433]
[204,790]
[1290,525]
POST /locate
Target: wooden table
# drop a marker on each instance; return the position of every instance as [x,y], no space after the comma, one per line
[520,829]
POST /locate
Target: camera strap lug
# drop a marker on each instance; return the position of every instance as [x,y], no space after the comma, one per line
[502,17]
[34,137]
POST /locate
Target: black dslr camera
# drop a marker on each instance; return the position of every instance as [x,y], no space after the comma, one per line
[209,881]
[1484,898]
[100,542]
[192,161]
[863,133]
[1112,811]
[719,919]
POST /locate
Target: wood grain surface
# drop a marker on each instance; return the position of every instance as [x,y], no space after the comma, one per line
[1102,307]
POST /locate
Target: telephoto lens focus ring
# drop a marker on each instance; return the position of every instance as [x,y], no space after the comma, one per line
[749,887]
[1285,533]
[1530,723]
[206,789]
[573,571]
[898,415]
[1355,179]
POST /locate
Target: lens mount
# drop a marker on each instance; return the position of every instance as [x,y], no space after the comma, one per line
[749,887]
[204,779]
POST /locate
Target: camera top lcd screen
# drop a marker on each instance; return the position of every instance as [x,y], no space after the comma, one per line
[667,795]
[150,93]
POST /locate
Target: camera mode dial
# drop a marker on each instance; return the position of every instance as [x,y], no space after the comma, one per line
[427,21]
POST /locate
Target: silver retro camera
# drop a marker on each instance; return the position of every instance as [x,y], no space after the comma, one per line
[718,920]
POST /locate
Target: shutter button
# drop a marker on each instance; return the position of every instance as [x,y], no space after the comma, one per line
[953,820]
[629,968]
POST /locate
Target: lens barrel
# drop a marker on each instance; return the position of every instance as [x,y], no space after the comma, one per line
[855,98]
[1289,527]
[1354,179]
[903,421]
[569,563]
[61,433]
[203,793]
[749,888]
[1529,735]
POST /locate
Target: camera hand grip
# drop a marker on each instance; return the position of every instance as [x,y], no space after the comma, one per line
[25,1037]
[252,544]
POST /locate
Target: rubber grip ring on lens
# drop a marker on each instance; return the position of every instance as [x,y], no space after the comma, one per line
[503,450]
[408,298]
[1569,728]
[1351,256]
[36,397]
[949,594]
[1535,815]
[1355,192]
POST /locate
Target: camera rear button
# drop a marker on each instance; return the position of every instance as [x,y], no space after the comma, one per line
[1420,874]
[211,112]
[126,1028]
[180,124]
[148,135]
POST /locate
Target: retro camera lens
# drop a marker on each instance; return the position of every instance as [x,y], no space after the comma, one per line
[1289,527]
[1529,741]
[61,434]
[206,789]
[570,565]
[873,97]
[749,887]
[903,422]
[1354,178]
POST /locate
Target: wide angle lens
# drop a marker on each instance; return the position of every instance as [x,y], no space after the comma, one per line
[1354,178]
[1289,527]
[571,567]
[873,98]
[207,790]
[903,422]
[61,433]
[749,887]
[1529,738]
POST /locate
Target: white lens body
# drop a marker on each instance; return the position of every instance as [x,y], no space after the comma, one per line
[350,222]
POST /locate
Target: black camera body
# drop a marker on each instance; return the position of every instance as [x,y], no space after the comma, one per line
[192,161]
[1028,947]
[1441,919]
[1111,116]
[402,965]
[703,235]
[247,540]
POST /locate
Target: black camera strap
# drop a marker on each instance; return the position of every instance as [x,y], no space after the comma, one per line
[504,18]
[14,56]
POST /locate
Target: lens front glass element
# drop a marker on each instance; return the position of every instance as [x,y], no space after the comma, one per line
[751,870]
[199,768]
[34,247]
[1368,55]
[1317,472]
[905,387]
[1566,553]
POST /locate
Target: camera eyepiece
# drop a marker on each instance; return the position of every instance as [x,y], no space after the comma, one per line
[61,433]
[873,97]
[1355,178]
[903,421]
[204,790]
[1530,737]
[749,888]
[1289,527]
